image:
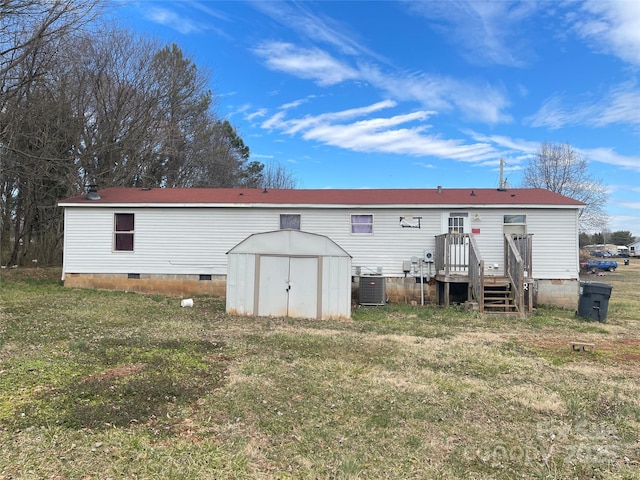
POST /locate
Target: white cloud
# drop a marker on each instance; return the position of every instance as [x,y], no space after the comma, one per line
[630,205]
[612,27]
[257,114]
[529,148]
[313,26]
[297,103]
[487,32]
[172,19]
[312,64]
[294,126]
[475,102]
[424,165]
[620,105]
[518,145]
[399,134]
[625,223]
[608,156]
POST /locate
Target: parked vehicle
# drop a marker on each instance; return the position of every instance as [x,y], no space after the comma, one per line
[594,266]
[602,254]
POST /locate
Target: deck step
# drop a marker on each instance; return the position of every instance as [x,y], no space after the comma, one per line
[497,297]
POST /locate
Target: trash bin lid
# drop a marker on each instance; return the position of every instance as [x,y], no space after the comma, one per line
[595,287]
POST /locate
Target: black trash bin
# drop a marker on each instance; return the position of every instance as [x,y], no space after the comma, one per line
[594,300]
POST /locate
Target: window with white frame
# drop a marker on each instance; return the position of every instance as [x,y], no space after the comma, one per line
[289,221]
[123,231]
[362,224]
[515,224]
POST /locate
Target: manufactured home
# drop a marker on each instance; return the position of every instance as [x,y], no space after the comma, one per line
[498,249]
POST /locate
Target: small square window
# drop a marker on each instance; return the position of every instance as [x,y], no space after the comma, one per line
[289,221]
[362,224]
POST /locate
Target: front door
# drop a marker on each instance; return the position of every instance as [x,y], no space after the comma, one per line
[457,226]
[288,287]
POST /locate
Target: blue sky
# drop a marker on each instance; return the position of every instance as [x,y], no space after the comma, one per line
[418,94]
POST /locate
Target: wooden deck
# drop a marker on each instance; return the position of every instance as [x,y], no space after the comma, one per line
[459,261]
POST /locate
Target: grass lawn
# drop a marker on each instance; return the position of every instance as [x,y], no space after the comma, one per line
[114,385]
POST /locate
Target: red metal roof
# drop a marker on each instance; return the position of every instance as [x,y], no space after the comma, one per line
[381,197]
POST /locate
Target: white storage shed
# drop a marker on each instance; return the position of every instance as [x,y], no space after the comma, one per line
[289,273]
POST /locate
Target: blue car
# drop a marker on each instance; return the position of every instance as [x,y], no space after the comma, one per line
[594,266]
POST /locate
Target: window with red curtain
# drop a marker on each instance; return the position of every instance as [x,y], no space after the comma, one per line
[124,230]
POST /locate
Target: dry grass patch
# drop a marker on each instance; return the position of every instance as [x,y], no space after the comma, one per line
[117,385]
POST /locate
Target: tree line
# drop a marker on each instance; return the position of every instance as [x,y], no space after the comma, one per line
[619,238]
[83,102]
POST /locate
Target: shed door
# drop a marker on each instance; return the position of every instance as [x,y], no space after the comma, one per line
[288,287]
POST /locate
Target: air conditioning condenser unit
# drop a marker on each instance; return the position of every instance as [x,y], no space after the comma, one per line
[372,291]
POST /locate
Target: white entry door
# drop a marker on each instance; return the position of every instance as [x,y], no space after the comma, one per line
[457,226]
[288,287]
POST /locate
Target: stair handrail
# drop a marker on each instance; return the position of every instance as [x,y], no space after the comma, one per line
[514,268]
[476,272]
[442,254]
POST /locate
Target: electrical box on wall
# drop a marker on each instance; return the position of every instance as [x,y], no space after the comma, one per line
[428,256]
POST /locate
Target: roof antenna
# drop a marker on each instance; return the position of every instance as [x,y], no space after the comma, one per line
[502,186]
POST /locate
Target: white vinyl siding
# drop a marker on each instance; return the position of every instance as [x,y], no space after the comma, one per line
[555,244]
[199,237]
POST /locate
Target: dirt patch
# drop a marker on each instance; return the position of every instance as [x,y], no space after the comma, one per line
[625,351]
[117,372]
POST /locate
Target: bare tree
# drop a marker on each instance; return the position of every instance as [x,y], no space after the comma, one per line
[116,101]
[275,175]
[559,168]
[104,107]
[28,26]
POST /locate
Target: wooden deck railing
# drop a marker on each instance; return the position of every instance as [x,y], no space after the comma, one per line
[452,254]
[457,254]
[441,258]
[476,273]
[514,269]
[523,244]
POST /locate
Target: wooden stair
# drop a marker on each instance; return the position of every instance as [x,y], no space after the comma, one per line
[498,297]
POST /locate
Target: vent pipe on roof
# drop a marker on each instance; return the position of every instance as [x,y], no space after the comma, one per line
[92,192]
[439,188]
[265,191]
